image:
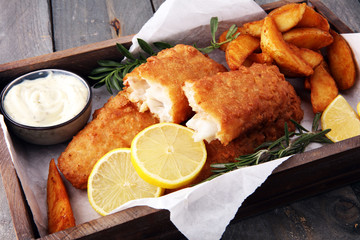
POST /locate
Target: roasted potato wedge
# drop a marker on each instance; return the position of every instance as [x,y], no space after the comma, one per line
[341,62]
[288,16]
[253,28]
[312,38]
[323,88]
[273,44]
[312,19]
[239,49]
[312,58]
[60,214]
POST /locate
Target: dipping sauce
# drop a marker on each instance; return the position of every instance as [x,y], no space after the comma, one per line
[47,101]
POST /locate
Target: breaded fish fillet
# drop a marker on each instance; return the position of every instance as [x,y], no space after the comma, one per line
[156,84]
[114,126]
[230,104]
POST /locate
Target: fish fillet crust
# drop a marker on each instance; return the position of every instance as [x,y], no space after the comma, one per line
[230,104]
[113,126]
[157,84]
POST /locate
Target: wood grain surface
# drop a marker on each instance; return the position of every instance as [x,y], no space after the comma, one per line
[32,28]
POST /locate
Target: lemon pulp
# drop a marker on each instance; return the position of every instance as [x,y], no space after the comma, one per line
[167,156]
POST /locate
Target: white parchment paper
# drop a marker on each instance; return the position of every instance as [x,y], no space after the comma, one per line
[193,211]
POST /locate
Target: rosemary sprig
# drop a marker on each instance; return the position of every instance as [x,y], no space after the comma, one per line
[231,35]
[111,73]
[289,144]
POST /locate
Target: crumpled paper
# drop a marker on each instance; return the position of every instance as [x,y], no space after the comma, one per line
[203,210]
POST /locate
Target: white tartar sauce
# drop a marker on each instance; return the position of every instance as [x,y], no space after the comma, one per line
[46,101]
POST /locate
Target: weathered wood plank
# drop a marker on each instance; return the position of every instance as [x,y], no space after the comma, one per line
[6,226]
[332,215]
[16,200]
[25,30]
[347,11]
[77,23]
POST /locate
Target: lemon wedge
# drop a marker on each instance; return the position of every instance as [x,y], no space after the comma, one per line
[167,156]
[114,181]
[341,118]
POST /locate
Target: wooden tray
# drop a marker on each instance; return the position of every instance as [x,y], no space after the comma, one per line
[301,176]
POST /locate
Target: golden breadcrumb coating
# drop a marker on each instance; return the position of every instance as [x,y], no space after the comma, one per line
[113,126]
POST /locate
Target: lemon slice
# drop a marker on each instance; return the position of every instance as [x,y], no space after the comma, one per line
[341,118]
[167,156]
[114,181]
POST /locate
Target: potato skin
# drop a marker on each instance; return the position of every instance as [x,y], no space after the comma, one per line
[239,49]
[288,16]
[323,88]
[313,19]
[311,38]
[60,214]
[341,62]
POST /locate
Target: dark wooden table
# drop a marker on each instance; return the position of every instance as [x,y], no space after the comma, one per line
[31,28]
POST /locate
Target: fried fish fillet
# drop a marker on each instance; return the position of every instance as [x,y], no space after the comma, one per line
[156,85]
[230,104]
[114,126]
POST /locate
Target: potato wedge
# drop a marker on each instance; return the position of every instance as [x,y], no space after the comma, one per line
[288,16]
[312,58]
[341,62]
[60,214]
[323,88]
[239,49]
[313,19]
[312,38]
[272,43]
[253,28]
[222,37]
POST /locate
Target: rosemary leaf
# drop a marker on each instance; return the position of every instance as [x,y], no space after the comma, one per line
[115,83]
[146,47]
[108,63]
[162,45]
[232,30]
[99,77]
[100,70]
[214,23]
[124,51]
